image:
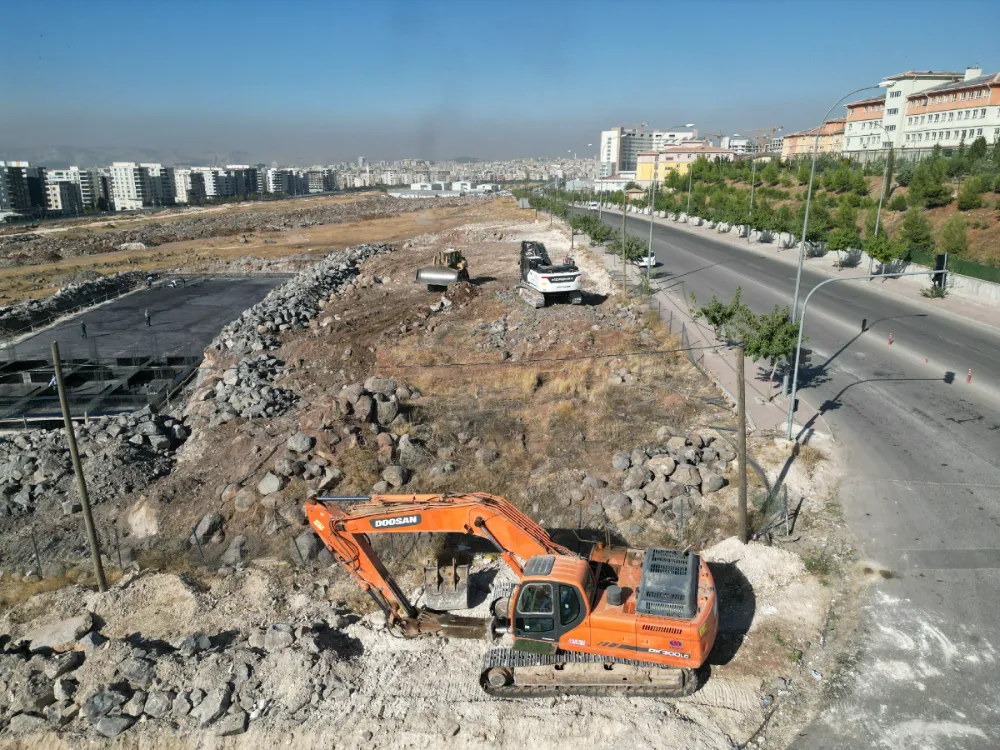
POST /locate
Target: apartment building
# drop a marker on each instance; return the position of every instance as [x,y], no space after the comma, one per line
[130,186]
[656,165]
[831,139]
[621,145]
[955,112]
[14,195]
[877,123]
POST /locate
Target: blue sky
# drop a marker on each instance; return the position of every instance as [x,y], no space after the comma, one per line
[309,81]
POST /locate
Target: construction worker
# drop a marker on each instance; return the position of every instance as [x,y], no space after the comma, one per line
[148,316]
[83,330]
[149,282]
[52,383]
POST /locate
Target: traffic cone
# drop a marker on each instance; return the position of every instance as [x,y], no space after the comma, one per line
[968,379]
[890,338]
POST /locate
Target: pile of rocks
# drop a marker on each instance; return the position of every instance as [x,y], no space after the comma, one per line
[292,305]
[246,390]
[120,455]
[67,677]
[71,296]
[659,482]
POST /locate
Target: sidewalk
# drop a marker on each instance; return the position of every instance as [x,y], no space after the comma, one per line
[906,287]
[720,364]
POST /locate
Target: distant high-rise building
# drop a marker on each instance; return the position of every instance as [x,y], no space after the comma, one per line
[362,162]
[15,195]
[130,186]
[621,145]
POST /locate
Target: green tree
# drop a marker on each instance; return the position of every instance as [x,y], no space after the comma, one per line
[771,337]
[969,196]
[887,185]
[803,174]
[884,250]
[904,175]
[916,233]
[771,175]
[599,233]
[898,202]
[952,239]
[870,222]
[634,248]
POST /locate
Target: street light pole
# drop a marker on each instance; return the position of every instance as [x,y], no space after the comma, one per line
[881,195]
[649,252]
[805,221]
[802,322]
[690,173]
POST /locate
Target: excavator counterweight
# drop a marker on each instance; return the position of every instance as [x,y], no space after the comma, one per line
[618,620]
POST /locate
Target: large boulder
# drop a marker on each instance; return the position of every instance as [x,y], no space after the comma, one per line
[662,465]
[689,476]
[617,507]
[142,519]
[711,482]
[385,386]
[387,410]
[636,477]
[621,461]
[60,636]
[206,528]
[300,443]
[271,483]
[396,476]
[212,706]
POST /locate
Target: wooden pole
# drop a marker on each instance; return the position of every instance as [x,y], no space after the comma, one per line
[81,482]
[741,437]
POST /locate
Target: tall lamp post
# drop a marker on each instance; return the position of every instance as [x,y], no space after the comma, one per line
[881,195]
[812,174]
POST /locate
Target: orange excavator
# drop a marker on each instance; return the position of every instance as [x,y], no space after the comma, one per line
[620,620]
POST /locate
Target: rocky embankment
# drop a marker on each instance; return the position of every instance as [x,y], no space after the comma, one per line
[68,676]
[121,455]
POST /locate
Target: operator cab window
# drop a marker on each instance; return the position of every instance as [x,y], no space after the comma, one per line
[569,606]
[535,610]
[535,599]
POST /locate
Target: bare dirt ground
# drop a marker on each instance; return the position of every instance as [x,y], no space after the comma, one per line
[38,275]
[554,393]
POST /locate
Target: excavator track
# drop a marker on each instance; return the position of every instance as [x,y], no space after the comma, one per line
[531,295]
[501,667]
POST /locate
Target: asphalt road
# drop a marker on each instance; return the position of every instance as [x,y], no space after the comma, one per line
[922,491]
[183,320]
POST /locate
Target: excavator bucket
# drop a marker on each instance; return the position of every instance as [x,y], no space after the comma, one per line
[446,587]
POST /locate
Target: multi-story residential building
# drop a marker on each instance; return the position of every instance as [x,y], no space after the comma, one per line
[161,184]
[955,112]
[656,165]
[831,139]
[737,144]
[621,145]
[130,186]
[877,123]
[63,193]
[864,130]
[196,182]
[16,196]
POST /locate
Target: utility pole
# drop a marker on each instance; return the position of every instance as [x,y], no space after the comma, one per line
[741,437]
[690,175]
[81,482]
[624,266]
[649,251]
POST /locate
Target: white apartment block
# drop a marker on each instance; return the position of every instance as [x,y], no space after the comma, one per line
[182,184]
[922,108]
[620,146]
[954,113]
[130,188]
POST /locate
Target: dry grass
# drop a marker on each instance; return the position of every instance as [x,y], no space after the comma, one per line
[13,593]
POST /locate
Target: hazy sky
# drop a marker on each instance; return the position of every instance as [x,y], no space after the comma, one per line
[308,82]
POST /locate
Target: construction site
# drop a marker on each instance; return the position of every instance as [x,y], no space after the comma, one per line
[373,473]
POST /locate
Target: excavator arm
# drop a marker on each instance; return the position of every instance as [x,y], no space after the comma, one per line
[345,529]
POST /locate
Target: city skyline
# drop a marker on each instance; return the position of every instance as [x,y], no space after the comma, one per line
[435,81]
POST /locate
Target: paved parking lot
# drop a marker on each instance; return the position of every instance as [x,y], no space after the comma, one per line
[183,320]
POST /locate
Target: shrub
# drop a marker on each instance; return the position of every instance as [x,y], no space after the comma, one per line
[952,239]
[969,198]
[898,202]
[916,233]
